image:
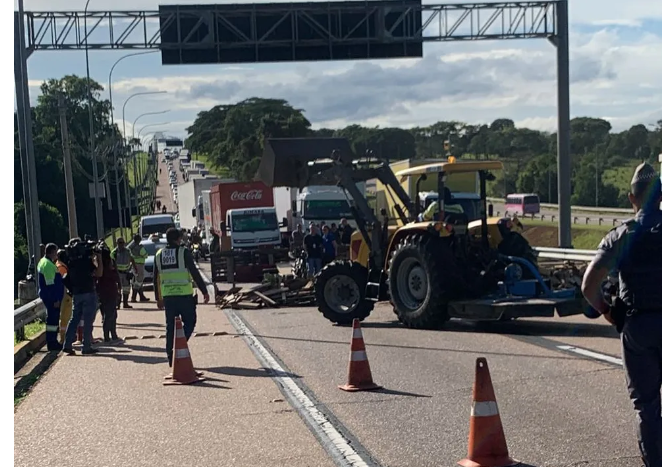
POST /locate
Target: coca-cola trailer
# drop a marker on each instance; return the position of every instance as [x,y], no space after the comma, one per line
[249,264]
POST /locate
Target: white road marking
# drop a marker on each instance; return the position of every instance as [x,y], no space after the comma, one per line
[337,446]
[335,443]
[590,354]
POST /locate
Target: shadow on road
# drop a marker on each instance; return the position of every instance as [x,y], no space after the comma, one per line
[249,372]
[159,326]
[399,393]
[414,347]
[516,327]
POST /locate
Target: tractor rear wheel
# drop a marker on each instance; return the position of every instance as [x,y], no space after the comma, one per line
[421,281]
[340,292]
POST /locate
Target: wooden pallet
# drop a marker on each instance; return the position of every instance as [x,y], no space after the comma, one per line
[287,293]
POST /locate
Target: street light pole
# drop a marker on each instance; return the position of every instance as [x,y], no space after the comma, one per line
[98,206]
[125,142]
[121,222]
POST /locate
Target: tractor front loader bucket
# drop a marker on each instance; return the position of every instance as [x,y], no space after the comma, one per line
[285,160]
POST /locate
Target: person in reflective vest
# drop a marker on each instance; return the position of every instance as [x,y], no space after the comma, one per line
[139,255]
[51,291]
[172,281]
[66,304]
[124,263]
[633,249]
[449,206]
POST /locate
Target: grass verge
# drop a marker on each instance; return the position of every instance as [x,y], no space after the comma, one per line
[31,329]
[545,234]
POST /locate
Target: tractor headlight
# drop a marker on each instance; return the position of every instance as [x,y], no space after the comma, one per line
[513,273]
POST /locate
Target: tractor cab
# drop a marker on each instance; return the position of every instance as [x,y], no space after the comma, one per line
[448,215]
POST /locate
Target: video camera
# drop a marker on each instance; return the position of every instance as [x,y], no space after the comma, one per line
[86,248]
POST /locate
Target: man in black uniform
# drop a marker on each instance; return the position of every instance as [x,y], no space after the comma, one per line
[633,249]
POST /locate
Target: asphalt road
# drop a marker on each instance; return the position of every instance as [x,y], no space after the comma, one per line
[559,384]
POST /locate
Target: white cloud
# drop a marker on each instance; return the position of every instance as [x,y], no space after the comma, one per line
[615,72]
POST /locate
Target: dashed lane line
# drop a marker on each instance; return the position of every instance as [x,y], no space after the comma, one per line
[551,344]
[591,354]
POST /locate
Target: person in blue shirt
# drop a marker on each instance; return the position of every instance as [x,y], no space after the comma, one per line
[51,292]
[330,244]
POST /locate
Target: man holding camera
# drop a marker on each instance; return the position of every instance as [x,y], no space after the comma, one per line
[85,263]
[633,249]
[172,282]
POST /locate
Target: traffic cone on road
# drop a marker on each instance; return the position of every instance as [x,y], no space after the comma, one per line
[183,368]
[359,377]
[487,444]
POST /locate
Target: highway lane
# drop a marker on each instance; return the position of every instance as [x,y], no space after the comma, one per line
[558,407]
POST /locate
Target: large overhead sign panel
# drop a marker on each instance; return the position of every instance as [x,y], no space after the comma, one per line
[279,32]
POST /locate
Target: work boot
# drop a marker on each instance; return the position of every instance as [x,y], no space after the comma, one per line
[133,297]
[143,297]
[125,304]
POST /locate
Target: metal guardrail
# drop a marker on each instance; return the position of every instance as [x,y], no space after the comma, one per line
[26,314]
[596,210]
[565,254]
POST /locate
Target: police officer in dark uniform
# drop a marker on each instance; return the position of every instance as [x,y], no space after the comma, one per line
[633,249]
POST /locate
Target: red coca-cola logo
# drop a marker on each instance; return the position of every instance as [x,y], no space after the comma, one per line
[246,195]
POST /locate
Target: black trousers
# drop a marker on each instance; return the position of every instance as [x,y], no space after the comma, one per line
[185,308]
[641,352]
[109,317]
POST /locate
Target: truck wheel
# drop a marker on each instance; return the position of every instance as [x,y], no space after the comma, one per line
[420,282]
[340,292]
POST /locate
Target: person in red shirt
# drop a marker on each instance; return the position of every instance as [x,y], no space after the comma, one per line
[108,290]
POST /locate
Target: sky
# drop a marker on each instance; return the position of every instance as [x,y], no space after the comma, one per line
[615,73]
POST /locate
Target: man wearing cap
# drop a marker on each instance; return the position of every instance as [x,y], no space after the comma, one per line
[124,262]
[174,272]
[633,249]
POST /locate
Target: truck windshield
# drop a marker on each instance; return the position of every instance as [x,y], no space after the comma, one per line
[326,209]
[254,222]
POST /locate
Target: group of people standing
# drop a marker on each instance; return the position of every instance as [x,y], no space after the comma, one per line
[73,287]
[322,243]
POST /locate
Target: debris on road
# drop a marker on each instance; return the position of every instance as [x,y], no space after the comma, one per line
[276,291]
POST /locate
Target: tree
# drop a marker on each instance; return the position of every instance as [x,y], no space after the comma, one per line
[233,135]
[48,146]
[586,181]
[539,176]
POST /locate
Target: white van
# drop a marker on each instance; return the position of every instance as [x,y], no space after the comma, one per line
[155,224]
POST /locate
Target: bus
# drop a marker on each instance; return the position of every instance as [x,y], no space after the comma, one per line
[522,203]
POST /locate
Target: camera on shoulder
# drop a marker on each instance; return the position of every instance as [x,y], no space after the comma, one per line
[84,249]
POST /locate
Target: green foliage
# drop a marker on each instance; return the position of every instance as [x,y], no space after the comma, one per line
[232,136]
[48,146]
[52,223]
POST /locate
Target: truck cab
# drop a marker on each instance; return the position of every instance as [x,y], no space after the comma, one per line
[325,204]
[253,227]
[470,202]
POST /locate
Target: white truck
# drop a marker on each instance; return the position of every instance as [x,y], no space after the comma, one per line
[253,227]
[313,204]
[190,206]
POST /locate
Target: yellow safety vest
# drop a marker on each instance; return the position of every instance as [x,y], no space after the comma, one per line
[126,255]
[140,258]
[175,280]
[434,208]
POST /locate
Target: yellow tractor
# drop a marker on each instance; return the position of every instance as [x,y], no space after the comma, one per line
[430,270]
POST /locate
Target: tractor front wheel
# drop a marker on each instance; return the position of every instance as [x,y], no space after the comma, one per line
[340,292]
[420,283]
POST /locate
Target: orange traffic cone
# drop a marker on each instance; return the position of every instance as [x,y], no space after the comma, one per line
[183,368]
[359,376]
[487,445]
